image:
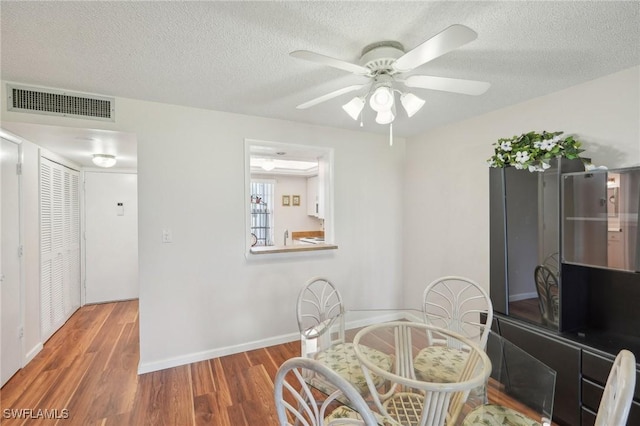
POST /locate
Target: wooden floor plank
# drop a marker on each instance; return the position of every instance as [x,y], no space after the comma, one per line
[220,381]
[260,408]
[202,378]
[234,368]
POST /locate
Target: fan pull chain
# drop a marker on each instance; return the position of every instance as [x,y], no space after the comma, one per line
[390,134]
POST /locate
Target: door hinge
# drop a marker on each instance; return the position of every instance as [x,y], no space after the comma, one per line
[19,169]
[20,332]
[20,251]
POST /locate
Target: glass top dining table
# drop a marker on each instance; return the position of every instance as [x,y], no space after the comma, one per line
[516,388]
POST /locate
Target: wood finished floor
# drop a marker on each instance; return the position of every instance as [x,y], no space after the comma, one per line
[89,367]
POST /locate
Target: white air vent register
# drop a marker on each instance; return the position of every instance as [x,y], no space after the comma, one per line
[38,100]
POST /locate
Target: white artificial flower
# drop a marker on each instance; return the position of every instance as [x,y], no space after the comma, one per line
[556,139]
[537,144]
[500,157]
[548,144]
[518,166]
[491,162]
[545,166]
[522,156]
[505,146]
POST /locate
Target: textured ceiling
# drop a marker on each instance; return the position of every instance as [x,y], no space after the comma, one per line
[234,56]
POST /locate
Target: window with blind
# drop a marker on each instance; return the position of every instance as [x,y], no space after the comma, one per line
[262,198]
[59,245]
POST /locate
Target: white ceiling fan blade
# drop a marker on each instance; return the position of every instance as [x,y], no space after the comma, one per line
[444,42]
[331,95]
[332,62]
[455,85]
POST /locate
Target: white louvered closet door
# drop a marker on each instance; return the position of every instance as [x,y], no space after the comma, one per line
[60,245]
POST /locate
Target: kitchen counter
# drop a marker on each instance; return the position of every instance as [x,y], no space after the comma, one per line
[293,248]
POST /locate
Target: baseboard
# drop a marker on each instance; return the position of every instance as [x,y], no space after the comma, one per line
[148,367]
[522,296]
[32,353]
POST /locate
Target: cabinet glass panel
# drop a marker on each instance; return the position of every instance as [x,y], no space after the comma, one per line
[600,216]
[525,242]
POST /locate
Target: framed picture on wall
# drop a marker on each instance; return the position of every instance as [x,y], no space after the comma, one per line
[286,200]
[295,200]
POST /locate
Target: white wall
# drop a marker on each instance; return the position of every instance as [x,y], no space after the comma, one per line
[292,218]
[446,212]
[199,296]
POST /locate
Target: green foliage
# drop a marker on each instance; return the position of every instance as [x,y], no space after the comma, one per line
[533,151]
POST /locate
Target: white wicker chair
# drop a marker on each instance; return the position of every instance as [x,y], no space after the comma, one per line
[296,403]
[320,313]
[618,392]
[456,304]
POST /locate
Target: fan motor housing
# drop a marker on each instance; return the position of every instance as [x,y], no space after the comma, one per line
[381,55]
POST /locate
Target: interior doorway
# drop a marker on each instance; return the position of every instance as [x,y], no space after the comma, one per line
[111,236]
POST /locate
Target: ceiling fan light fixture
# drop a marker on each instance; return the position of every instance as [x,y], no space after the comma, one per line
[382,99]
[384,62]
[354,107]
[411,103]
[104,160]
[386,117]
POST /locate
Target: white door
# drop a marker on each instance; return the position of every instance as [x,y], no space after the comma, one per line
[59,245]
[11,346]
[111,233]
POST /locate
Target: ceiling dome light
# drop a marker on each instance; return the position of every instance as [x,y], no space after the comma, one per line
[268,164]
[354,107]
[381,99]
[411,103]
[104,160]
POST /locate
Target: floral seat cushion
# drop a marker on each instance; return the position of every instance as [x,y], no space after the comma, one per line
[439,364]
[497,415]
[342,359]
[338,416]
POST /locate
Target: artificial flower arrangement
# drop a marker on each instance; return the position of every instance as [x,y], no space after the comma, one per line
[533,151]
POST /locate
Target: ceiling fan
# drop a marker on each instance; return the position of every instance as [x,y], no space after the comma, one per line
[385,63]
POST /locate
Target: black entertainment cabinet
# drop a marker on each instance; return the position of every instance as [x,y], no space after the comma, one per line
[599,307]
[582,365]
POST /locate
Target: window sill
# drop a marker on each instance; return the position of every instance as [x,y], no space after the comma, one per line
[292,249]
